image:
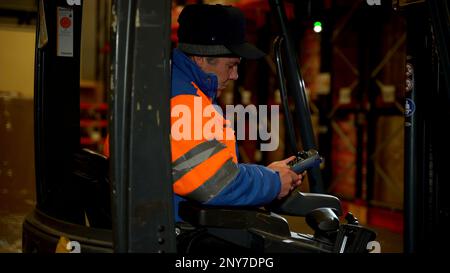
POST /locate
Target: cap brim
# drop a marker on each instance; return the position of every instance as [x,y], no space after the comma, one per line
[246,50]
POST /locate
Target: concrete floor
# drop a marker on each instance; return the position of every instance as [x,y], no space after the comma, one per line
[11,232]
[15,204]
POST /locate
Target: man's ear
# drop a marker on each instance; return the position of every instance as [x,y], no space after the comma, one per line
[200,61]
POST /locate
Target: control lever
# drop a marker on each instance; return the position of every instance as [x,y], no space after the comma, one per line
[305,160]
[351,219]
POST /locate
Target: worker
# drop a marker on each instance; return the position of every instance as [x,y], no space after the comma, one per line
[205,167]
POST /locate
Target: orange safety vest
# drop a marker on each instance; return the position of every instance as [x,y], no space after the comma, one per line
[201,168]
[202,165]
[106,146]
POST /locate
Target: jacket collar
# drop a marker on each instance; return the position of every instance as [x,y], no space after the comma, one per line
[207,82]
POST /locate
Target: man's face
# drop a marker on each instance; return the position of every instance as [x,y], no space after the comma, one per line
[225,68]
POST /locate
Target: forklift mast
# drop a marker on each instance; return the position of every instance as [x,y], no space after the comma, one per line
[130,207]
[143,218]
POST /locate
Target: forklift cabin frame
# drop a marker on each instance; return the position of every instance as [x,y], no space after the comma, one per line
[140,181]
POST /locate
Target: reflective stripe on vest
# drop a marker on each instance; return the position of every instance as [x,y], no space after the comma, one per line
[195,157]
[216,183]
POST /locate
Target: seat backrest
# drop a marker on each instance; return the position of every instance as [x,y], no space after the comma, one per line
[91,173]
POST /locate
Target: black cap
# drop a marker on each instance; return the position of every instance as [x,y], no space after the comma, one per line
[214,30]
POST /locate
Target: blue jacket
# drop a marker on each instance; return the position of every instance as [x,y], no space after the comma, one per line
[254,185]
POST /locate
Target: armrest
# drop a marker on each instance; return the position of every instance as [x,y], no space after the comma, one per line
[300,204]
[233,217]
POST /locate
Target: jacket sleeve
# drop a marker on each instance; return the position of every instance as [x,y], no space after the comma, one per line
[253,186]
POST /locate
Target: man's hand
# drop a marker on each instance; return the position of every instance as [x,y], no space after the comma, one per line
[289,179]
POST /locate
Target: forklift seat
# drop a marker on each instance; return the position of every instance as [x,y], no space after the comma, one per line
[249,229]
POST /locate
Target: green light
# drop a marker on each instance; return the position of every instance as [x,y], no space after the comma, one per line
[317,26]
